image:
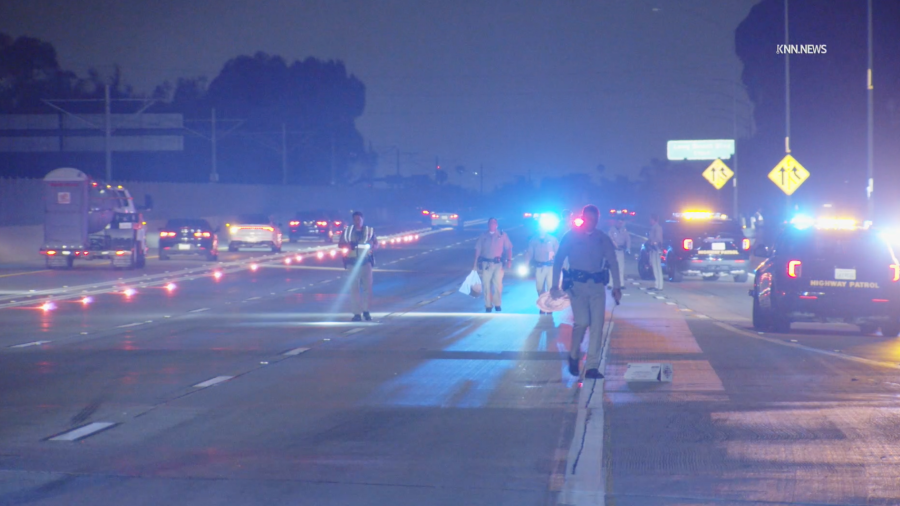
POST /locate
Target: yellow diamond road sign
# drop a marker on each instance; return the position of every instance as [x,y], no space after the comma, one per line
[788,175]
[717,174]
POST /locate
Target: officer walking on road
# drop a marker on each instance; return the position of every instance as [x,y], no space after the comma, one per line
[490,250]
[622,241]
[359,242]
[592,258]
[541,250]
[655,246]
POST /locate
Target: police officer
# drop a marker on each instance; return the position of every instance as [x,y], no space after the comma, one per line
[490,250]
[592,259]
[622,241]
[655,246]
[541,250]
[359,242]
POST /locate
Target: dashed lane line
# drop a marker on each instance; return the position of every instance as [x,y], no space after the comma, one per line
[213,381]
[295,352]
[26,345]
[199,310]
[83,432]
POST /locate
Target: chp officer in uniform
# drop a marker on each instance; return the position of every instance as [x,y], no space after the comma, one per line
[541,250]
[490,250]
[622,241]
[655,245]
[592,258]
[359,242]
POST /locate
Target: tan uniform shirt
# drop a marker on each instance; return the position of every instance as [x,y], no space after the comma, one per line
[620,237]
[493,245]
[656,236]
[542,250]
[591,252]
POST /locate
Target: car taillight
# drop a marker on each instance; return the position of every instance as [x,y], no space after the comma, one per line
[793,269]
[294,223]
[338,223]
[426,213]
[434,216]
[687,244]
[454,216]
[526,215]
[895,272]
[167,234]
[322,223]
[201,234]
[745,244]
[51,252]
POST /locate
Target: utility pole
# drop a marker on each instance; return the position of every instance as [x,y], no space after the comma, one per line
[333,167]
[107,124]
[284,166]
[735,155]
[214,175]
[787,93]
[870,91]
[481,174]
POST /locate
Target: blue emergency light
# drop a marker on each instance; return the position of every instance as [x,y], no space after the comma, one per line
[548,222]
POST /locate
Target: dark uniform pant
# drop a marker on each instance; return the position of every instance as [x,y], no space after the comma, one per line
[589,310]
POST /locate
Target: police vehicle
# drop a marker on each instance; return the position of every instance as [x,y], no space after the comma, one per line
[701,243]
[825,270]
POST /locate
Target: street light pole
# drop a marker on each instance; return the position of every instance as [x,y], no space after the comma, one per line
[870,171]
[787,94]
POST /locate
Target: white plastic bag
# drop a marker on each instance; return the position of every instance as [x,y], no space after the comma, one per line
[472,285]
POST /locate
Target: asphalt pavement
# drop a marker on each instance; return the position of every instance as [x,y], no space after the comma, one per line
[255,388]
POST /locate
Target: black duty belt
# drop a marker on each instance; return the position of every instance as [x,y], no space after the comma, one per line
[541,264]
[579,276]
[495,260]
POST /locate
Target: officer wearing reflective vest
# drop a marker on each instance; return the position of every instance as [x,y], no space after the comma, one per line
[358,243]
[541,250]
[490,250]
[592,263]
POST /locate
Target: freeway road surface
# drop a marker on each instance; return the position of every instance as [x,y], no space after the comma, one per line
[254,388]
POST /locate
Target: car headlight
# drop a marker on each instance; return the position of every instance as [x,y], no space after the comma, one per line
[522,270]
[234,230]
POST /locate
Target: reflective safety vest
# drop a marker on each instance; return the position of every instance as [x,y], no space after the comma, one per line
[368,234]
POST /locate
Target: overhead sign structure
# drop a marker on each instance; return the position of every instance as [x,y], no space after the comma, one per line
[788,175]
[700,149]
[717,174]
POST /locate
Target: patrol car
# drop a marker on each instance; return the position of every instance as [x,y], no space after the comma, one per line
[700,243]
[828,269]
[445,220]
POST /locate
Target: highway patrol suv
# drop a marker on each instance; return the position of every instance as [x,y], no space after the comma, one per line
[828,270]
[700,243]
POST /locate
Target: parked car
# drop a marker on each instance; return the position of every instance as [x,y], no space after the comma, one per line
[445,220]
[321,224]
[254,231]
[188,237]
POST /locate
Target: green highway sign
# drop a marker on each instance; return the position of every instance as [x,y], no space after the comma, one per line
[700,149]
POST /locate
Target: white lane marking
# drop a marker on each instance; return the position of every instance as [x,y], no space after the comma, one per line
[671,303]
[82,432]
[702,316]
[354,331]
[252,298]
[293,289]
[582,485]
[661,298]
[199,310]
[130,325]
[25,345]
[211,382]
[792,344]
[295,352]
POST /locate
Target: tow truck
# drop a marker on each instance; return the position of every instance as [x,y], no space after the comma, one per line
[828,269]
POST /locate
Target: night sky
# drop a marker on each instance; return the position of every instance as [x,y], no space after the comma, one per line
[546,86]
